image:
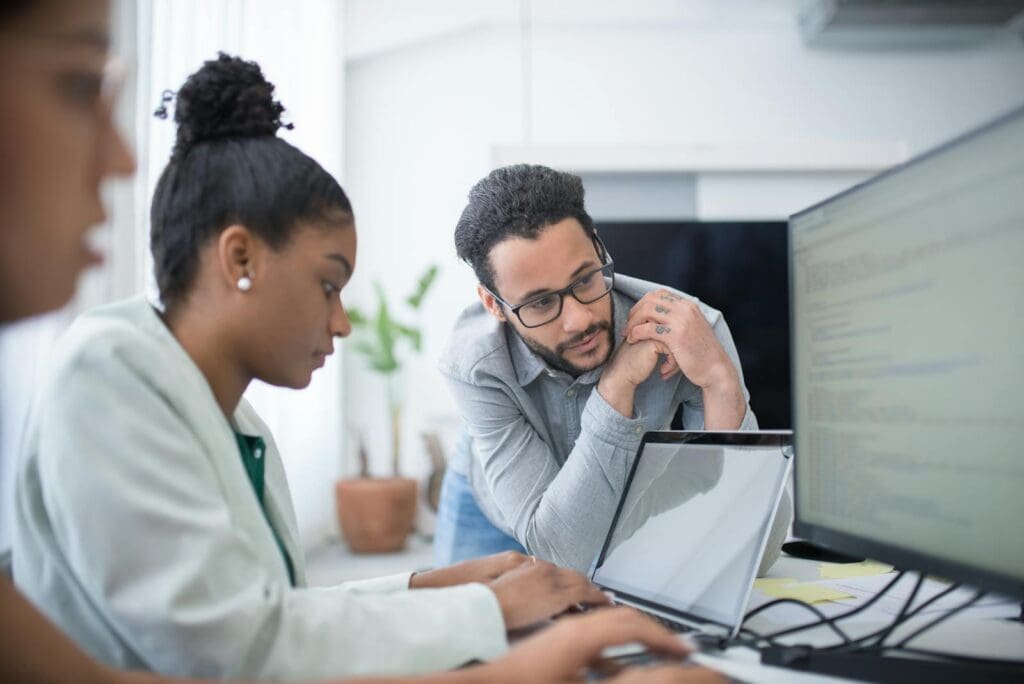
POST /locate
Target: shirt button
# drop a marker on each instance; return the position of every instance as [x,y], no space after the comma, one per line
[258,453]
[639,429]
[571,393]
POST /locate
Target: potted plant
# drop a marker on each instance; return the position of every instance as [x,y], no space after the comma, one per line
[376,515]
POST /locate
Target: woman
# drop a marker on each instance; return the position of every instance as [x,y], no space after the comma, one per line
[56,132]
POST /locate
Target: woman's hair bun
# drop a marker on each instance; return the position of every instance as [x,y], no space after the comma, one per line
[227,98]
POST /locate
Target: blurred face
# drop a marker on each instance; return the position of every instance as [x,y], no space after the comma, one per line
[57,146]
[296,303]
[581,338]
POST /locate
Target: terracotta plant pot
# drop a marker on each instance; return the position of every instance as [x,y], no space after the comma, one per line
[376,515]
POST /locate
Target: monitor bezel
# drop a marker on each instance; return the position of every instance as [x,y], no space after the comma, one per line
[770,438]
[819,533]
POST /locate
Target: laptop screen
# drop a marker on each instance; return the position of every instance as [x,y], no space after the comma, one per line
[693,522]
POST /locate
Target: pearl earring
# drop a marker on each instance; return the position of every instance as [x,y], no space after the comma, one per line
[245,283]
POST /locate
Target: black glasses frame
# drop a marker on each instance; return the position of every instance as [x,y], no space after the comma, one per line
[568,290]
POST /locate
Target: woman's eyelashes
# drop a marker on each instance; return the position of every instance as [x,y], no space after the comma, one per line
[330,289]
[82,88]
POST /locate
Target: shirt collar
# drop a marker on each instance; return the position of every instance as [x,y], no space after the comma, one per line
[529,365]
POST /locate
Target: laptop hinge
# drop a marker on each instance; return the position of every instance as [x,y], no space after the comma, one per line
[703,627]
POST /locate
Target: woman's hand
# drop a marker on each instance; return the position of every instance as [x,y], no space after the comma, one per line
[564,652]
[668,674]
[528,590]
[483,570]
[538,590]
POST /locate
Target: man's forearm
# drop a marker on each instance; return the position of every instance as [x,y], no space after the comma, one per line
[618,393]
[724,404]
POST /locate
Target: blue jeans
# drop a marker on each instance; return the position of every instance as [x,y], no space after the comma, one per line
[463,531]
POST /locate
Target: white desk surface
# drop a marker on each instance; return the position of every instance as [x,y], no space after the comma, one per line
[960,634]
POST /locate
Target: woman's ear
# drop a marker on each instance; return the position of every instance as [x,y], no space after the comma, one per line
[490,303]
[236,257]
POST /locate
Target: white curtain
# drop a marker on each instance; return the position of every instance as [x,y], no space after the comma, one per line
[298,44]
[25,346]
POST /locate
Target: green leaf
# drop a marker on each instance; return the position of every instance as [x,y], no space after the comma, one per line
[385,329]
[379,342]
[414,335]
[356,316]
[384,365]
[415,300]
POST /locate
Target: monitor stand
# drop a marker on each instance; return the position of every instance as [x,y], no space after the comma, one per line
[871,666]
[809,551]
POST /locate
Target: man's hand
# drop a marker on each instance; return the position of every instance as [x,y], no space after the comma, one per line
[630,366]
[481,570]
[538,590]
[680,328]
[564,651]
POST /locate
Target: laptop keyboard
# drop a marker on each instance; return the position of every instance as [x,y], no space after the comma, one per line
[701,639]
[672,624]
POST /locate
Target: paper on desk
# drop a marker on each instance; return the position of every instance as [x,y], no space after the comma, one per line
[808,592]
[843,570]
[863,588]
[764,582]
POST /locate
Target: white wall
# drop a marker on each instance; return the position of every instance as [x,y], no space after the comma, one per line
[299,47]
[431,95]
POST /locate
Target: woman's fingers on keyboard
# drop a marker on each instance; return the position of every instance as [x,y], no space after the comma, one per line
[668,674]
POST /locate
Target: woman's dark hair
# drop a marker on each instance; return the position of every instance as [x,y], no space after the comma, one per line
[516,201]
[11,8]
[229,167]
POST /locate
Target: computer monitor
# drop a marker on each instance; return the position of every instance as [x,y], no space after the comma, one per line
[907,305]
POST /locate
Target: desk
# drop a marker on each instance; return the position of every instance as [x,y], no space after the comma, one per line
[961,634]
[965,634]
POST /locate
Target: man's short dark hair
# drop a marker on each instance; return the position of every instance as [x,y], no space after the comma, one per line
[515,201]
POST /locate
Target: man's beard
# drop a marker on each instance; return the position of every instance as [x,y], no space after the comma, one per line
[554,357]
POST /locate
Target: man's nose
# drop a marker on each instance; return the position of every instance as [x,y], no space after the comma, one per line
[576,317]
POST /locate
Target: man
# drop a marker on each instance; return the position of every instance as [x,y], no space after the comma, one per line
[560,369]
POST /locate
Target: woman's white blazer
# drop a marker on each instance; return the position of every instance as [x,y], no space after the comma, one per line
[138,532]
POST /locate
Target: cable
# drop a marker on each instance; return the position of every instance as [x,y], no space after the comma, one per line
[945,616]
[854,646]
[740,640]
[822,618]
[911,614]
[807,626]
[902,615]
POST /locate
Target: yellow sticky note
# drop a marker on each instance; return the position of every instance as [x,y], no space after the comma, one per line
[763,583]
[844,570]
[807,592]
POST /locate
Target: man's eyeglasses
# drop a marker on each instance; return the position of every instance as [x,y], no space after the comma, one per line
[586,289]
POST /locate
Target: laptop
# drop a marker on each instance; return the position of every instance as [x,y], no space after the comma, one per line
[691,527]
